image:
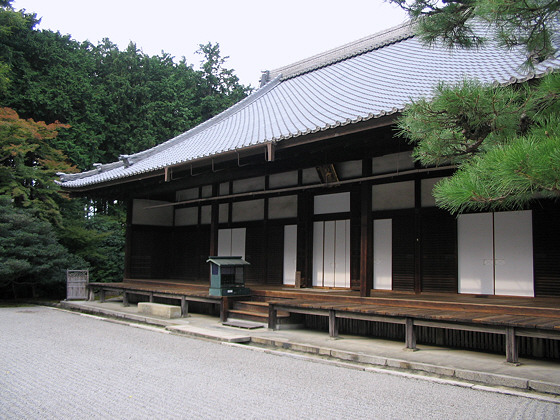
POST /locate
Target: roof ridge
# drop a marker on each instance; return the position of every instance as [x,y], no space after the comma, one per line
[351,49]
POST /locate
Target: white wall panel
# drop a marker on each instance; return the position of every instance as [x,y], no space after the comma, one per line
[223,213]
[282,207]
[186,217]
[476,253]
[249,184]
[224,242]
[231,242]
[284,179]
[290,254]
[332,203]
[244,211]
[310,176]
[514,253]
[184,195]
[383,254]
[238,242]
[393,196]
[350,169]
[427,186]
[394,162]
[205,215]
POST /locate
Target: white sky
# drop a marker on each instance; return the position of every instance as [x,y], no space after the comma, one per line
[256,35]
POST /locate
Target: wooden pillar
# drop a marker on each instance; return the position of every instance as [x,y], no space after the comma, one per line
[511,346]
[128,241]
[224,308]
[272,316]
[304,255]
[366,241]
[184,307]
[417,236]
[410,334]
[333,324]
[214,222]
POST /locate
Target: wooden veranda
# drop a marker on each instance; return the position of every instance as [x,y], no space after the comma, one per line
[508,317]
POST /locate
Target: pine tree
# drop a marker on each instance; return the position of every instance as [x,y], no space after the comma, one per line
[505,141]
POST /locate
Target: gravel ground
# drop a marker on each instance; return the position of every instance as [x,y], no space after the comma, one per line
[55,364]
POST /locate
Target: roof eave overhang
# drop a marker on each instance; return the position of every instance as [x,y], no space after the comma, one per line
[335,132]
[246,151]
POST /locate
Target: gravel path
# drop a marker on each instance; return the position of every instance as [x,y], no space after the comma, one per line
[60,365]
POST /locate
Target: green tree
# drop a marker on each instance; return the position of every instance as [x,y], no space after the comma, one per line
[30,256]
[28,164]
[505,141]
[98,238]
[220,87]
[530,24]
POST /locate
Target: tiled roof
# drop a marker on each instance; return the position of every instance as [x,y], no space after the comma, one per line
[370,78]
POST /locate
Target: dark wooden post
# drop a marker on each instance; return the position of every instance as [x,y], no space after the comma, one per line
[511,346]
[125,299]
[417,236]
[333,323]
[410,334]
[224,308]
[304,238]
[214,222]
[366,242]
[184,307]
[128,241]
[272,315]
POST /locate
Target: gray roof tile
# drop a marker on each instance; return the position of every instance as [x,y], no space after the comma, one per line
[373,77]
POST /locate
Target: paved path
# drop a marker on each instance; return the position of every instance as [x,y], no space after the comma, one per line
[55,364]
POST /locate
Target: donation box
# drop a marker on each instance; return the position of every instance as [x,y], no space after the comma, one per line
[227,276]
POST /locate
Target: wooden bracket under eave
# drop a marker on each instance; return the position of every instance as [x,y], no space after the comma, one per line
[167,171]
[270,152]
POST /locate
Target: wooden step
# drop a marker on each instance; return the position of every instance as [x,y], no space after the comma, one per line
[260,307]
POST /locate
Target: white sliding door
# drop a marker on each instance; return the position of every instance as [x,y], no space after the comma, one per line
[290,254]
[476,249]
[496,253]
[514,253]
[331,253]
[383,254]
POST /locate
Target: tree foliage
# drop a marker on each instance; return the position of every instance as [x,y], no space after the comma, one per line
[504,140]
[530,24]
[116,102]
[98,102]
[29,252]
[28,164]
